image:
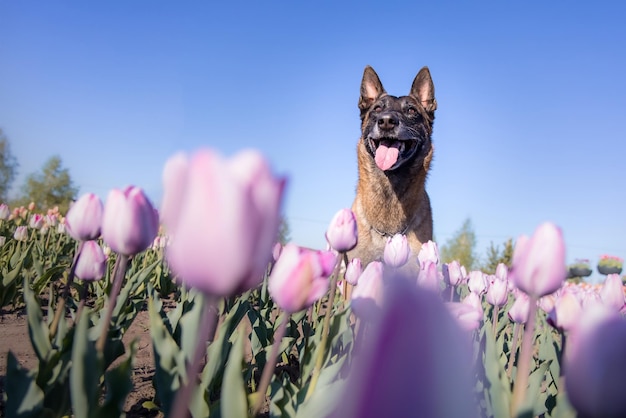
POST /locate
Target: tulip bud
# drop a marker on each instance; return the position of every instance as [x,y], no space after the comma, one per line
[519,310]
[353,271]
[84,218]
[477,282]
[428,252]
[5,212]
[539,262]
[566,313]
[397,251]
[342,231]
[428,277]
[595,364]
[474,300]
[452,273]
[91,263]
[497,294]
[297,279]
[3,240]
[36,221]
[21,233]
[502,272]
[129,221]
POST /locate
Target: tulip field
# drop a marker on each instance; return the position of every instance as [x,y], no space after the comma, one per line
[238,325]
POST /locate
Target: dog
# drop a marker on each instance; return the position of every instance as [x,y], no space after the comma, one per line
[394,155]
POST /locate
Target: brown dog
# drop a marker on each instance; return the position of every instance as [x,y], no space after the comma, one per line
[394,155]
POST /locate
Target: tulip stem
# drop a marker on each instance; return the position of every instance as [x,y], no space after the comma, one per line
[321,350]
[270,365]
[513,351]
[523,365]
[60,311]
[494,320]
[180,408]
[119,271]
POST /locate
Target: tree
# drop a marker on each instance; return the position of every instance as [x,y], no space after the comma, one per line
[495,256]
[461,247]
[8,167]
[52,187]
[284,232]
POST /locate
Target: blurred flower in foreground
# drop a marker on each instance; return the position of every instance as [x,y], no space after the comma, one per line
[367,296]
[342,232]
[612,292]
[428,277]
[129,221]
[595,364]
[397,251]
[566,312]
[225,223]
[415,359]
[298,278]
[538,267]
[84,219]
[91,263]
[467,315]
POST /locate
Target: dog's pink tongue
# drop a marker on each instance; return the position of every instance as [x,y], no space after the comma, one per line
[386,156]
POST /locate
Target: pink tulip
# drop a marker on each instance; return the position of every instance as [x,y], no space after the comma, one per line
[297,279]
[21,233]
[382,383]
[428,252]
[539,262]
[91,263]
[497,294]
[51,220]
[84,219]
[612,292]
[428,277]
[566,313]
[5,212]
[226,222]
[353,271]
[519,310]
[477,282]
[452,273]
[595,364]
[367,297]
[175,182]
[342,231]
[397,251]
[31,206]
[36,221]
[129,221]
[466,315]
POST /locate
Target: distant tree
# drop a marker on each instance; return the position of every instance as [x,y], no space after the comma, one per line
[496,256]
[8,167]
[461,247]
[52,187]
[284,233]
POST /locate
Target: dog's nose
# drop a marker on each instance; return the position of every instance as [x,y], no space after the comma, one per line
[387,122]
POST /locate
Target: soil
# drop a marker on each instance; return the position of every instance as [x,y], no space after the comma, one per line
[14,337]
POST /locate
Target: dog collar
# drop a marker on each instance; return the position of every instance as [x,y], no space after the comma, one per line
[387,234]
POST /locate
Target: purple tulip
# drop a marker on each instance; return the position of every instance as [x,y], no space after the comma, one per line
[428,252]
[225,223]
[612,292]
[477,282]
[297,279]
[84,219]
[397,251]
[36,221]
[539,262]
[353,271]
[498,293]
[129,221]
[452,273]
[342,231]
[595,364]
[91,264]
[382,383]
[519,310]
[367,297]
[566,313]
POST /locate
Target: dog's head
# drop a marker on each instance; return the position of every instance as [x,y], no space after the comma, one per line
[396,131]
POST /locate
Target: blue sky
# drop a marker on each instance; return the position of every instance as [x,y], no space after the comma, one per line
[530,125]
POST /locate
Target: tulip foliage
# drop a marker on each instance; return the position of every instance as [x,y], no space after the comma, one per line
[237,334]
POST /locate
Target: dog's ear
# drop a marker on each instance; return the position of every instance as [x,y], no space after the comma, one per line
[371,88]
[423,90]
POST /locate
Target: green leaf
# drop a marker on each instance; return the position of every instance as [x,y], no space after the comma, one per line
[24,397]
[234,398]
[37,328]
[499,392]
[84,374]
[118,385]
